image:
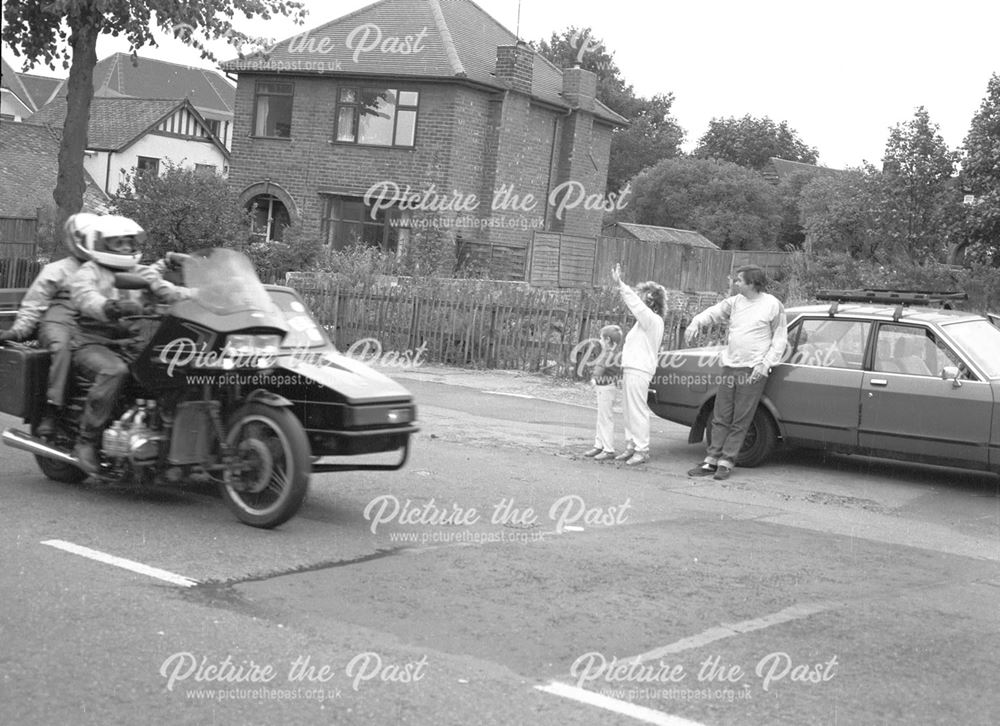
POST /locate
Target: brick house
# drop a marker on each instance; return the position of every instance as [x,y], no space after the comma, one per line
[414,114]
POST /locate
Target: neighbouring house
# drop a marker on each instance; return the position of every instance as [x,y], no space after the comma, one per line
[142,134]
[412,116]
[779,170]
[121,75]
[209,91]
[29,165]
[16,103]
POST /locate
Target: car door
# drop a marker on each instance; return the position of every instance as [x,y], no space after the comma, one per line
[817,388]
[908,410]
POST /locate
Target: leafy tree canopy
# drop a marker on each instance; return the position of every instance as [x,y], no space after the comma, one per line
[734,207]
[978,229]
[751,142]
[653,134]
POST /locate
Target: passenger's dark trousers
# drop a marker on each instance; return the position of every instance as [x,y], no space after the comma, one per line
[735,404]
[56,336]
[108,372]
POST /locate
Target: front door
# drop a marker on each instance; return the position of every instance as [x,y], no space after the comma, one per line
[907,410]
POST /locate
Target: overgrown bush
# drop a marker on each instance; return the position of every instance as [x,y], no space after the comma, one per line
[296,251]
[182,210]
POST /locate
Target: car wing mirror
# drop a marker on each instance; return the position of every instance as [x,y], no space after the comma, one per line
[951,373]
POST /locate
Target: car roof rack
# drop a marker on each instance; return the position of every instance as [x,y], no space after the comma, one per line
[900,298]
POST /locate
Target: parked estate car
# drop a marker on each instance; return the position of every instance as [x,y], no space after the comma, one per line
[875,372]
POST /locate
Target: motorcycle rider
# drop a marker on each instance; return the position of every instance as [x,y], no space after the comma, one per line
[46,310]
[102,348]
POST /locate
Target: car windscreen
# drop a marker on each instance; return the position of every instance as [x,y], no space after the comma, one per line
[980,341]
[303,331]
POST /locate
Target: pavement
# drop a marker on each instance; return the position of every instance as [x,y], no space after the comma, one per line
[518,383]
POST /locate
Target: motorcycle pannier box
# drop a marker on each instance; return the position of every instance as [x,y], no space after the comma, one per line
[23,375]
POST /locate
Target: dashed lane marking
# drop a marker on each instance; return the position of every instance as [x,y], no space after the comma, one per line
[166,576]
[795,612]
[624,708]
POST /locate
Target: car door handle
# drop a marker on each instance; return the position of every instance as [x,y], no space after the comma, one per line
[879,382]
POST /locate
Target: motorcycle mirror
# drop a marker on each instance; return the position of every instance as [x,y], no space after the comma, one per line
[130,281]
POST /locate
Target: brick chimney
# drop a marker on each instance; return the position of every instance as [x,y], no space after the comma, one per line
[579,88]
[515,66]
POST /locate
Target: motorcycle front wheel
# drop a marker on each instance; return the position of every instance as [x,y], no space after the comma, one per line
[272,478]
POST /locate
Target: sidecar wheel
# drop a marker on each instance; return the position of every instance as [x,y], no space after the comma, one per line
[273,445]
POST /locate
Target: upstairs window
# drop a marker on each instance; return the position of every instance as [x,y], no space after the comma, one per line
[376,116]
[273,110]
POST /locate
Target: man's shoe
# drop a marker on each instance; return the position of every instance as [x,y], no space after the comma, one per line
[46,427]
[637,458]
[627,454]
[86,454]
[590,453]
[722,472]
[604,456]
[703,470]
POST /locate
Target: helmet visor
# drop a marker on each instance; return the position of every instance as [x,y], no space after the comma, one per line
[122,244]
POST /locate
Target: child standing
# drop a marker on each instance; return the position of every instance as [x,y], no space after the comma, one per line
[606,376]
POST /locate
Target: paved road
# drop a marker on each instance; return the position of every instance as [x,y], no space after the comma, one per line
[496,579]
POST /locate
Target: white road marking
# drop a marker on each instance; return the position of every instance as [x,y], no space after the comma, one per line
[107,559]
[505,393]
[795,612]
[624,708]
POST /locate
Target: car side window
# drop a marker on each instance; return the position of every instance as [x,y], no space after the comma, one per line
[914,351]
[829,343]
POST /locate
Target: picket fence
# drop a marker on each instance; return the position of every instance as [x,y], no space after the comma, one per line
[475,323]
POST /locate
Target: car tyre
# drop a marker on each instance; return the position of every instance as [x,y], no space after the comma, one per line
[760,442]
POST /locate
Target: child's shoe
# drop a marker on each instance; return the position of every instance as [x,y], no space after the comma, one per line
[605,456]
[590,453]
[637,458]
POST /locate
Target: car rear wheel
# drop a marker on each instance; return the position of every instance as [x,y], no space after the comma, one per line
[760,442]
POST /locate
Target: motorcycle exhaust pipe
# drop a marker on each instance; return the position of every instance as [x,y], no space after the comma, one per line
[20,440]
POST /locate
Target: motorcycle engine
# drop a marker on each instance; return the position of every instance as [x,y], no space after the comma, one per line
[135,436]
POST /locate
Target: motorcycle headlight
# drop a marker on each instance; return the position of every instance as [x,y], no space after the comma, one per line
[250,351]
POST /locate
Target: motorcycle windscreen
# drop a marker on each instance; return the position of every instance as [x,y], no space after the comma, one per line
[224,282]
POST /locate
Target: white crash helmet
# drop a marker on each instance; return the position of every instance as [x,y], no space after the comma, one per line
[114,242]
[75,230]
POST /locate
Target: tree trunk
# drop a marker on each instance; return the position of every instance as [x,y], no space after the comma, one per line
[70,184]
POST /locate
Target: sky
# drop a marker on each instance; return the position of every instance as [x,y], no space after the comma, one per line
[841,74]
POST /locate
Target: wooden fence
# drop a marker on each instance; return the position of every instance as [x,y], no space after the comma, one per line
[560,260]
[18,272]
[482,324]
[18,237]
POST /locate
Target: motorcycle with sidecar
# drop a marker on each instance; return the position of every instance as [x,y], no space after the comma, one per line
[237,383]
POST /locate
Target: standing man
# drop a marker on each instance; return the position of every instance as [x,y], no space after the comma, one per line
[758,334]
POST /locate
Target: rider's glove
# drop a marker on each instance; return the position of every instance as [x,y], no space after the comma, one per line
[175,260]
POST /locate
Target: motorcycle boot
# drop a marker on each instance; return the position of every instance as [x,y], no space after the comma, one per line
[47,425]
[85,452]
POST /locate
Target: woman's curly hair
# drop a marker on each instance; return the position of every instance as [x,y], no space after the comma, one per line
[657,296]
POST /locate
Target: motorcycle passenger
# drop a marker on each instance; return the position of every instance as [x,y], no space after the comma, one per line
[102,349]
[46,311]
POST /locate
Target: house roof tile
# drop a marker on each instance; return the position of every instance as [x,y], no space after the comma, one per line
[114,122]
[453,39]
[41,88]
[29,166]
